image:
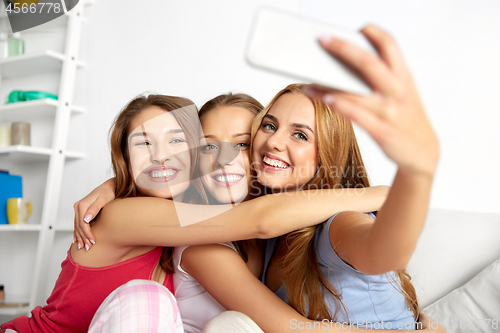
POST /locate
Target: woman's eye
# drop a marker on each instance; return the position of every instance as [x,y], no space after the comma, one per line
[242,145]
[300,136]
[268,126]
[143,143]
[208,147]
[177,141]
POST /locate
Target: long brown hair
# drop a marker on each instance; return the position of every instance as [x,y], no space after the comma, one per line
[340,166]
[243,101]
[120,159]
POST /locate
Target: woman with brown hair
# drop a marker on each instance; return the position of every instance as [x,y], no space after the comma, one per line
[85,281]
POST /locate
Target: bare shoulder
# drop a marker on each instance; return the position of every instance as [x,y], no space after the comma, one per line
[128,204]
[123,209]
[345,222]
[351,218]
[207,251]
[199,256]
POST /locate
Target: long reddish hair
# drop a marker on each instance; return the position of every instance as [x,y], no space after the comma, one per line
[120,159]
[340,166]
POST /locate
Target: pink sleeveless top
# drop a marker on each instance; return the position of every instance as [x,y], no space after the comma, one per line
[80,290]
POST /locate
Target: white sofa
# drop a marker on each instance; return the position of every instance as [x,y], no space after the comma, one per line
[456,270]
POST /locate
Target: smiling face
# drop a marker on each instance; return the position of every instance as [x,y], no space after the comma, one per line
[159,154]
[285,149]
[224,158]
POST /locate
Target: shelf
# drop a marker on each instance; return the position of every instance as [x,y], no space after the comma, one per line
[26,111]
[15,311]
[31,64]
[33,154]
[20,227]
[33,227]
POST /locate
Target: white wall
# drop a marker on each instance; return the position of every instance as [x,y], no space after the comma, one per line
[195,49]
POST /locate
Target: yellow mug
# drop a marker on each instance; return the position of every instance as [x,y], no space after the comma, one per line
[18,210]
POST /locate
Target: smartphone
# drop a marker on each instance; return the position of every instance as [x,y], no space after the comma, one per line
[286,43]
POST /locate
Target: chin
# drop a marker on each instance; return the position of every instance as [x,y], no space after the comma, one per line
[224,198]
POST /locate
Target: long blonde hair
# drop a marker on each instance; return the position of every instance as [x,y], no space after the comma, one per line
[340,166]
[120,160]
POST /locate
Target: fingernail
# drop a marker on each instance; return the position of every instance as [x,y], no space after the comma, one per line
[79,246]
[86,247]
[74,240]
[328,99]
[87,218]
[92,241]
[325,39]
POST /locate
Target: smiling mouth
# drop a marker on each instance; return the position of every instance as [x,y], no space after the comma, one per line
[162,175]
[277,164]
[227,179]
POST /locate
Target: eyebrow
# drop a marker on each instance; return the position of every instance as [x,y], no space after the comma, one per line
[297,125]
[173,131]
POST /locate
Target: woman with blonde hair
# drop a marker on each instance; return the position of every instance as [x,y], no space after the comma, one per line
[351,268]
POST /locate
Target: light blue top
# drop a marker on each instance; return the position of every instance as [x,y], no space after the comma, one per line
[371,300]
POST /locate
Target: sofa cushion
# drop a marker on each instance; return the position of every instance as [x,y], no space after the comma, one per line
[453,248]
[474,307]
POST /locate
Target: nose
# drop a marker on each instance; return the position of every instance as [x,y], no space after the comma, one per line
[226,155]
[277,141]
[159,154]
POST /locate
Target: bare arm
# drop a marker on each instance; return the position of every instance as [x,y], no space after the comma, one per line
[87,208]
[154,221]
[395,118]
[236,288]
[387,243]
[332,200]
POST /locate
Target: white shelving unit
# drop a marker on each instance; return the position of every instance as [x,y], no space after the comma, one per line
[34,109]
[56,155]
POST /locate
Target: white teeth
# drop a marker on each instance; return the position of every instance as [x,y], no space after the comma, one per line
[162,174]
[228,178]
[275,163]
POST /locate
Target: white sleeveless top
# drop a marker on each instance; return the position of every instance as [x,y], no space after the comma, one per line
[195,304]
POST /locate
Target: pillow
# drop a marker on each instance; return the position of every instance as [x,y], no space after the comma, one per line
[474,307]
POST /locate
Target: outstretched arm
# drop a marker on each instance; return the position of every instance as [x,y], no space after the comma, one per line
[395,118]
[236,288]
[155,221]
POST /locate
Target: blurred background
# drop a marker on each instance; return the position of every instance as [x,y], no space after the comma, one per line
[196,49]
